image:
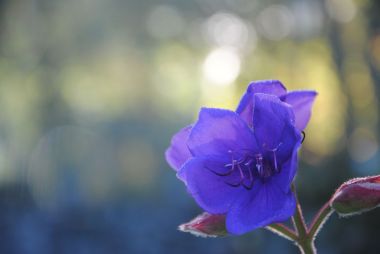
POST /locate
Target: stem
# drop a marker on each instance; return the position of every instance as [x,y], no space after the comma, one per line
[304,236]
[298,219]
[307,247]
[299,222]
[283,231]
[319,219]
[304,241]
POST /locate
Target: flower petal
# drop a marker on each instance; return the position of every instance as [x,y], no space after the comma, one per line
[268,205]
[245,108]
[219,131]
[178,152]
[209,190]
[274,87]
[274,130]
[301,102]
[288,170]
[273,123]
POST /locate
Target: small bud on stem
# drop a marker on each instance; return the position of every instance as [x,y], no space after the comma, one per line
[206,225]
[356,196]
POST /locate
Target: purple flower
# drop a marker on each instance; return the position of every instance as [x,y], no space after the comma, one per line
[242,163]
[300,101]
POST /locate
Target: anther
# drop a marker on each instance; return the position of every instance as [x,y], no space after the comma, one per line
[244,163]
[249,187]
[259,164]
[275,161]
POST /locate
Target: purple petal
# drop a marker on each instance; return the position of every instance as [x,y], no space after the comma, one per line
[274,87]
[288,170]
[219,131]
[245,108]
[209,190]
[268,205]
[178,152]
[273,123]
[301,102]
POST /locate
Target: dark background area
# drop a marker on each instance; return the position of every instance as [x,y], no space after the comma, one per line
[91,92]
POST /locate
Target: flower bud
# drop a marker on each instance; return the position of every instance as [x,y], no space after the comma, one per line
[356,196]
[206,225]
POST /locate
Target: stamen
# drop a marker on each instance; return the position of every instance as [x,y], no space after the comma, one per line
[248,163]
[243,178]
[259,164]
[275,157]
[249,187]
[241,172]
[250,166]
[275,161]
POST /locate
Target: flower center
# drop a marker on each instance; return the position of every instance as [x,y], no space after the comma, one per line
[250,167]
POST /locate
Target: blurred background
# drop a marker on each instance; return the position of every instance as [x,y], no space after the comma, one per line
[91,92]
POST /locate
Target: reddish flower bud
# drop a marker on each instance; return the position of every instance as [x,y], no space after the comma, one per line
[356,196]
[206,225]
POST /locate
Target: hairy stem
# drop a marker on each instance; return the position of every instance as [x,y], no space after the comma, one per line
[304,240]
[319,219]
[303,236]
[299,222]
[298,219]
[307,247]
[283,231]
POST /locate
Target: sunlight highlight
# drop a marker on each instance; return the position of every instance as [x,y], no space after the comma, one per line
[222,66]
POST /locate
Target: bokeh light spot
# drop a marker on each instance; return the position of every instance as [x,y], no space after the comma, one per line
[226,29]
[342,11]
[362,144]
[222,66]
[276,22]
